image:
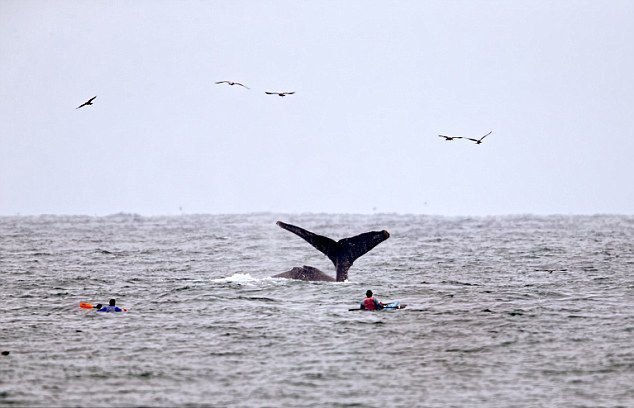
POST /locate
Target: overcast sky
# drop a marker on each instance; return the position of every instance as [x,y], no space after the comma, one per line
[375,83]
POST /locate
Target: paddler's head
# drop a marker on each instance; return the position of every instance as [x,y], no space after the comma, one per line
[112,302]
[98,306]
[368,293]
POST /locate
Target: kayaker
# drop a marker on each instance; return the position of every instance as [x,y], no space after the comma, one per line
[111,307]
[370,303]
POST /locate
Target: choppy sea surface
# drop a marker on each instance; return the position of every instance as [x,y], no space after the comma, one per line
[520,311]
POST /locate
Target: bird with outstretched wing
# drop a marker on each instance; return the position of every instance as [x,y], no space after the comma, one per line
[88,102]
[232,83]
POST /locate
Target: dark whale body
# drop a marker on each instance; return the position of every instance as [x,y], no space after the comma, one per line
[342,253]
[306,273]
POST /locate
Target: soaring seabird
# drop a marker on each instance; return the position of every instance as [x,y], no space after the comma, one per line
[232,83]
[88,102]
[479,141]
[450,137]
[282,94]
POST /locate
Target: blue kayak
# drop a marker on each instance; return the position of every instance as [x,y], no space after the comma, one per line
[396,305]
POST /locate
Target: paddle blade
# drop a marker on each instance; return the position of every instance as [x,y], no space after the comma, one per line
[85,305]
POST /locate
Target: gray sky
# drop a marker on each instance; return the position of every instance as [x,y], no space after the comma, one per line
[375,83]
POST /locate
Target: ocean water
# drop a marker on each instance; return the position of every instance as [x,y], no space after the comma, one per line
[520,311]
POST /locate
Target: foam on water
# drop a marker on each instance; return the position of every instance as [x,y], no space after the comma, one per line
[239,278]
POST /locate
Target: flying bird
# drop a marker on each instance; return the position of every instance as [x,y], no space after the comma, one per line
[479,141]
[88,102]
[282,94]
[232,83]
[450,137]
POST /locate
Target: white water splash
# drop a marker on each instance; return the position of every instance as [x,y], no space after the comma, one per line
[239,278]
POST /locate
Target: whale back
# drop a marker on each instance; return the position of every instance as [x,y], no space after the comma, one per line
[306,273]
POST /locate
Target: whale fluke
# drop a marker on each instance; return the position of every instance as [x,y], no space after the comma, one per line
[342,253]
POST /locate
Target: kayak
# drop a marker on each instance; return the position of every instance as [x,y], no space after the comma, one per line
[85,305]
[396,305]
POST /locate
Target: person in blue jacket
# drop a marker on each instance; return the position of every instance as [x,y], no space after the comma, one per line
[111,307]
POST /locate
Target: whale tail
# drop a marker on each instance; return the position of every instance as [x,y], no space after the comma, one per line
[342,253]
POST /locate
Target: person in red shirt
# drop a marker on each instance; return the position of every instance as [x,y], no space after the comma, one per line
[370,303]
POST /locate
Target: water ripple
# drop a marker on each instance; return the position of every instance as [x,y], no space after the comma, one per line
[502,311]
